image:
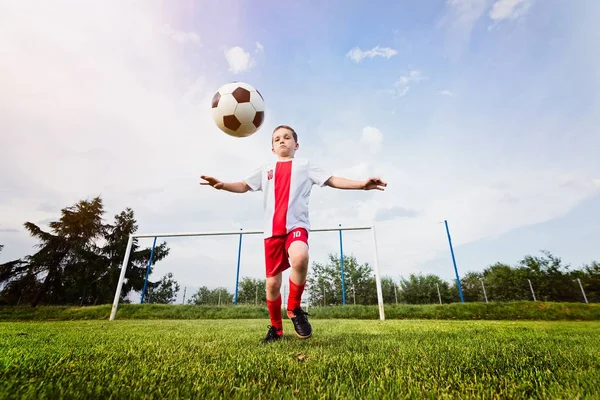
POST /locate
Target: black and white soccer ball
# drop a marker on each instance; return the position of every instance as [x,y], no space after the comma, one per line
[238,109]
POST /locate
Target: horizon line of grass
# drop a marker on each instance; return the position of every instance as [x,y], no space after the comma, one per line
[522,310]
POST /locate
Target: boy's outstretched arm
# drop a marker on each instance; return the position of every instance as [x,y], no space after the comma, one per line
[234,187]
[343,183]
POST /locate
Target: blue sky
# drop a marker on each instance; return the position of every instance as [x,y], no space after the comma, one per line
[481,112]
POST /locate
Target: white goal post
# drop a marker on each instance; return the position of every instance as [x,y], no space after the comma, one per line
[242,232]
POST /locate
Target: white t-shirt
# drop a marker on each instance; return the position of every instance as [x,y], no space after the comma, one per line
[286,186]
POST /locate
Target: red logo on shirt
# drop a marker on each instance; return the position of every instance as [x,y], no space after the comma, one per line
[270,174]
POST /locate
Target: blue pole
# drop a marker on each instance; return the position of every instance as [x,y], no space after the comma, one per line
[342,265]
[237,276]
[454,262]
[148,271]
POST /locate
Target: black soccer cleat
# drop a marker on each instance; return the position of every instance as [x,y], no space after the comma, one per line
[272,335]
[301,324]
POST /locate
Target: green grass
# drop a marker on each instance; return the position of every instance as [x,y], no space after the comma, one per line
[393,359]
[524,310]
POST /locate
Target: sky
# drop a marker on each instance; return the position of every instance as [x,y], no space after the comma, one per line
[483,113]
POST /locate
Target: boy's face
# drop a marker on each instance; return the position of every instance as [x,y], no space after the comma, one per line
[283,143]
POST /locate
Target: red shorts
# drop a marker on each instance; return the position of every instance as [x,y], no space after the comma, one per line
[276,250]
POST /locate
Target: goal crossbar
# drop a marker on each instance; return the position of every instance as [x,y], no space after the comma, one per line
[230,233]
[243,232]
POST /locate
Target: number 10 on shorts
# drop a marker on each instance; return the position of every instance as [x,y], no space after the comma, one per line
[298,234]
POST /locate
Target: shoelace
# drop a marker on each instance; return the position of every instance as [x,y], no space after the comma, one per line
[301,316]
[272,333]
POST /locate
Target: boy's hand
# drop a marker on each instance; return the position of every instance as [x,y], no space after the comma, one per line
[374,183]
[214,182]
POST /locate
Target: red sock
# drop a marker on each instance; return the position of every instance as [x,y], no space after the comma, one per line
[274,307]
[295,296]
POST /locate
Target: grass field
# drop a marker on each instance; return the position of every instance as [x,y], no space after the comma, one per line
[345,359]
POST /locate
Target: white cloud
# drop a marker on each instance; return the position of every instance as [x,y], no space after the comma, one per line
[464,13]
[372,138]
[239,60]
[182,37]
[446,93]
[509,9]
[458,21]
[402,85]
[461,16]
[357,54]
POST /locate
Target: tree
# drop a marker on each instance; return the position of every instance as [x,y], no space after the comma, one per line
[221,296]
[252,291]
[471,287]
[550,278]
[590,280]
[503,283]
[202,296]
[217,296]
[67,255]
[163,292]
[423,289]
[389,290]
[19,291]
[113,252]
[324,282]
[79,259]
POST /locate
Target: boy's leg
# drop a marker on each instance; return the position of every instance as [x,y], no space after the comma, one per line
[274,302]
[275,262]
[298,254]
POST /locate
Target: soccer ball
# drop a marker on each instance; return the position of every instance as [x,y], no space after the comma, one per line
[238,109]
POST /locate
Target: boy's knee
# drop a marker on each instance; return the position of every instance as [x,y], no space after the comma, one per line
[299,260]
[273,285]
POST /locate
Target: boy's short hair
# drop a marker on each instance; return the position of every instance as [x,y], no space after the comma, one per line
[294,134]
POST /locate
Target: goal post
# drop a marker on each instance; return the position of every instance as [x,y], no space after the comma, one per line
[252,232]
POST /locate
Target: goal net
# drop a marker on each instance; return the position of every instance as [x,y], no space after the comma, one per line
[241,233]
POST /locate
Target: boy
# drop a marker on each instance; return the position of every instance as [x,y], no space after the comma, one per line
[286,184]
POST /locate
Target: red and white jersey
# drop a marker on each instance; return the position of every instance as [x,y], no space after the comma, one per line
[286,186]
